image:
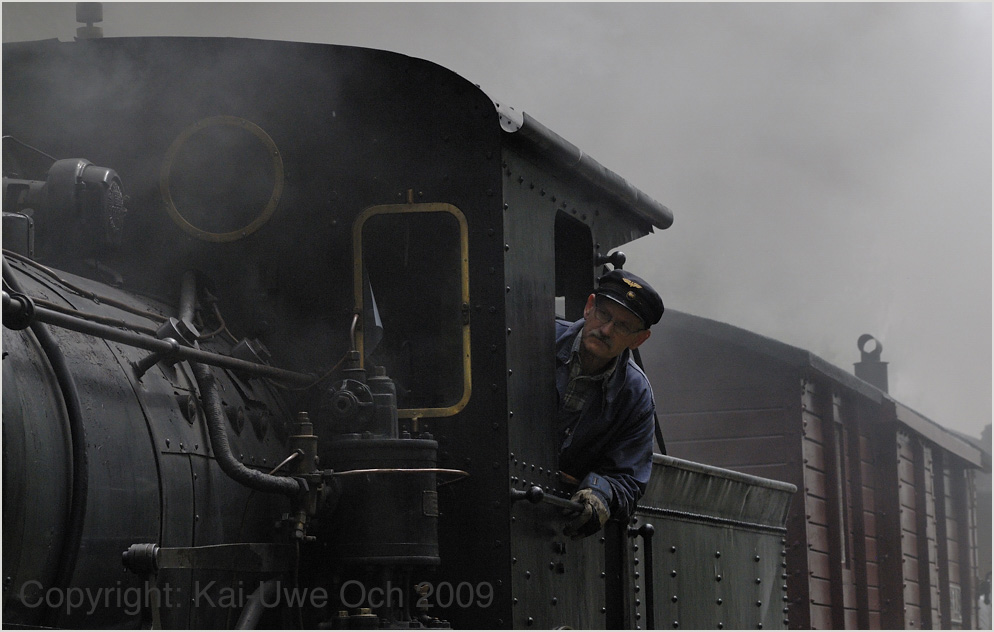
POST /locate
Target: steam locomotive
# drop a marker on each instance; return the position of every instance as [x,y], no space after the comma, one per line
[288,360]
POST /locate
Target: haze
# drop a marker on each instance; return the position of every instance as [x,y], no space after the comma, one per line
[828,165]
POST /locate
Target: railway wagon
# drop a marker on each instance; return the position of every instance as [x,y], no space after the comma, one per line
[883,531]
[279,347]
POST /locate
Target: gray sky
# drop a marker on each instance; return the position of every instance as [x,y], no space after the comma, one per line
[828,165]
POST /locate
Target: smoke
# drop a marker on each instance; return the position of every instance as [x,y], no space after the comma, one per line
[828,164]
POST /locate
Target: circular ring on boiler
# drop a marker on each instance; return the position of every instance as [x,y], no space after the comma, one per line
[259,220]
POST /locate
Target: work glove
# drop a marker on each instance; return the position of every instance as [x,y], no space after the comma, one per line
[589,521]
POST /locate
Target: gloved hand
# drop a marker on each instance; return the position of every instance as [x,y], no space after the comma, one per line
[588,522]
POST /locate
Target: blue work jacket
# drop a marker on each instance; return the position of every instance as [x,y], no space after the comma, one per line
[608,443]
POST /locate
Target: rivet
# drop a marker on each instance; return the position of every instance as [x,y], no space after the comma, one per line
[718,601]
[717,553]
[717,578]
[673,573]
[673,598]
[759,604]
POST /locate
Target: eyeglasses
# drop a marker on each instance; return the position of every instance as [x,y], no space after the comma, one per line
[605,317]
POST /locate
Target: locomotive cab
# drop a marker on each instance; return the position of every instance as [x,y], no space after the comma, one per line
[306,377]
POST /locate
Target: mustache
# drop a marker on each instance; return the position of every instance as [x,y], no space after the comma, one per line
[599,336]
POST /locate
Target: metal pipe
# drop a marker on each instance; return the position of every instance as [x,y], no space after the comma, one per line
[97,318]
[265,593]
[214,413]
[188,296]
[77,324]
[77,436]
[106,300]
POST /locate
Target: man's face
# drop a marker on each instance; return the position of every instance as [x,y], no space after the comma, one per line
[606,339]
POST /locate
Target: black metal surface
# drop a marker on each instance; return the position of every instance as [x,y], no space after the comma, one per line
[344,130]
[384,519]
[563,157]
[719,566]
[144,461]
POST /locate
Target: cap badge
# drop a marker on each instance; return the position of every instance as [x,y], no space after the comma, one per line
[631,295]
[631,283]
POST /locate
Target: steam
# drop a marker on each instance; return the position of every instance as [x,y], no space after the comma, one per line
[828,164]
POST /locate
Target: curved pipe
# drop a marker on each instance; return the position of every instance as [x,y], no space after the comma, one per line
[256,605]
[77,434]
[214,413]
[231,466]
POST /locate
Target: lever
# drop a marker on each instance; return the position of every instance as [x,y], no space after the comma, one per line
[536,495]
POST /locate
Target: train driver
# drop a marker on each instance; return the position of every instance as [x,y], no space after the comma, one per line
[606,413]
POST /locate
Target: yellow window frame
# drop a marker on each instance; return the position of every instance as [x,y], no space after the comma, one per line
[432,207]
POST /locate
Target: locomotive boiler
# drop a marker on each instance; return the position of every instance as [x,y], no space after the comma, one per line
[278,351]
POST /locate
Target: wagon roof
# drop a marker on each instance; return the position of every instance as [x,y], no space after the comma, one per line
[802,359]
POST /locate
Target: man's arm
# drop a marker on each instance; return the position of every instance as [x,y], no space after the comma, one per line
[622,473]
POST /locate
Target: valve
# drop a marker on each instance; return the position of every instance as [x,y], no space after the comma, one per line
[18,310]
